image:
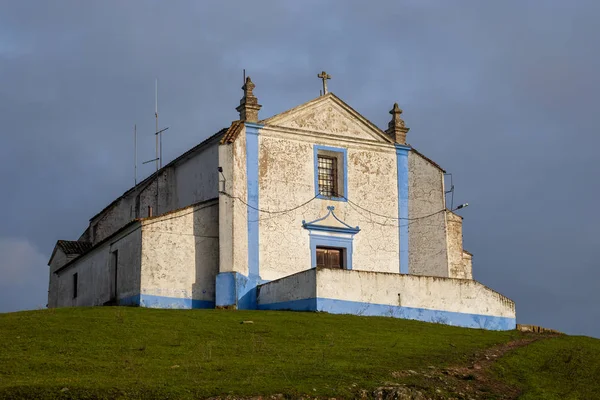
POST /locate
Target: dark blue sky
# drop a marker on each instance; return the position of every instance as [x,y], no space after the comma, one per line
[504,95]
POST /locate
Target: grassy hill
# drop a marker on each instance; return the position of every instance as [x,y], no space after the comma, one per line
[115,352]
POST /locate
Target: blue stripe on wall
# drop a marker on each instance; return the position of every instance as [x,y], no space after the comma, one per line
[334,306]
[225,289]
[402,168]
[252,131]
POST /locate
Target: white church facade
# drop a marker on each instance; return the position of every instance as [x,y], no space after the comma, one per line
[313,209]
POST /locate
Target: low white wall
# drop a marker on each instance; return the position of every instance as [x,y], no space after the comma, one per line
[299,286]
[424,292]
[180,256]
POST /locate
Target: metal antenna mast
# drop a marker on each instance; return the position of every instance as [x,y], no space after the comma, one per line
[158,135]
[157,143]
[135,155]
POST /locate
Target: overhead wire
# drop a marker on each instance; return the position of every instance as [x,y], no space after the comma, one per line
[350,202]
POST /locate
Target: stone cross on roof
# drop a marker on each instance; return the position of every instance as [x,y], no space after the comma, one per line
[324,76]
[249,106]
[396,128]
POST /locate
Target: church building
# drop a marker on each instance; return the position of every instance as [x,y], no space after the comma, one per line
[313,209]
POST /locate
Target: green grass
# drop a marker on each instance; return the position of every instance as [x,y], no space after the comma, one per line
[114,352]
[561,368]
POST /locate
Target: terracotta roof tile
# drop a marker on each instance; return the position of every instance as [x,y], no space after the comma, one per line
[232,133]
[70,247]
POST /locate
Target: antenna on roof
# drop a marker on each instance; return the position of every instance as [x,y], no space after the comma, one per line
[450,191]
[244,81]
[135,155]
[158,134]
[157,144]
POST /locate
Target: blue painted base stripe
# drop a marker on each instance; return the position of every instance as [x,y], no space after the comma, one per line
[295,305]
[150,301]
[334,306]
[130,301]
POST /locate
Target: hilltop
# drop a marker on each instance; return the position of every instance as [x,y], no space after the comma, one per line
[130,353]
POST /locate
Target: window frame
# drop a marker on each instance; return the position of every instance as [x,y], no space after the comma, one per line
[335,240]
[341,169]
[333,176]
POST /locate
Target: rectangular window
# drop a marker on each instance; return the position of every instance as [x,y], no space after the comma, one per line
[330,257]
[330,169]
[75,285]
[327,176]
[114,271]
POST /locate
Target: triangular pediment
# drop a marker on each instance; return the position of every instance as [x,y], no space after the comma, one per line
[330,223]
[329,114]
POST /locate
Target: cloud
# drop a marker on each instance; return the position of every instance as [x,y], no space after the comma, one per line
[24,274]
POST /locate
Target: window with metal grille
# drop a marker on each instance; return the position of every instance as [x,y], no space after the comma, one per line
[327,175]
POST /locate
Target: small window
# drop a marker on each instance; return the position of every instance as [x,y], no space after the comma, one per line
[75,283]
[330,257]
[330,173]
[328,176]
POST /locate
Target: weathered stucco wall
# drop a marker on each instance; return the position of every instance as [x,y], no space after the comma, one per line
[300,286]
[286,179]
[196,179]
[458,267]
[239,209]
[432,293]
[467,265]
[427,236]
[96,273]
[59,259]
[449,301]
[180,258]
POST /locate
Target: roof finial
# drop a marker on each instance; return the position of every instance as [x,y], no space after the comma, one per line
[249,106]
[324,76]
[396,128]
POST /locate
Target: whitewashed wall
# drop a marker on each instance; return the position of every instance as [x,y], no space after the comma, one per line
[180,253]
[59,259]
[286,178]
[460,302]
[299,286]
[196,178]
[433,293]
[427,237]
[94,272]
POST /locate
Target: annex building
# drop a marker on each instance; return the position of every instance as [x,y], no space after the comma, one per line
[313,209]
